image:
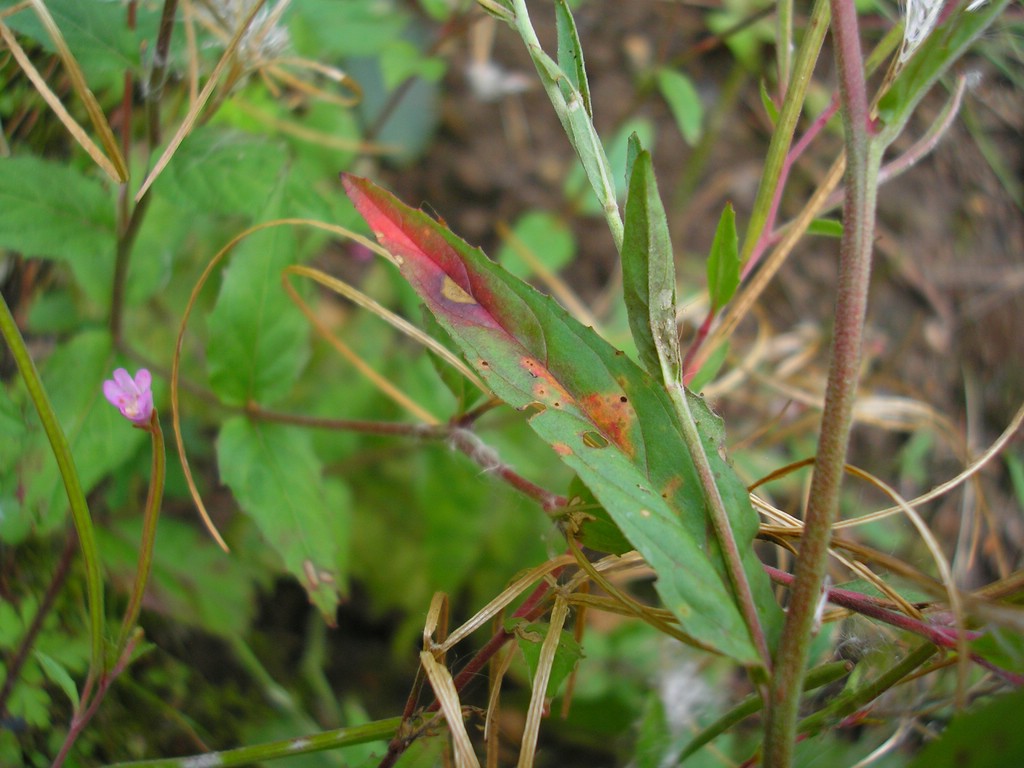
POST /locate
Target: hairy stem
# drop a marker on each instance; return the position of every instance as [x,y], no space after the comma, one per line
[863,161]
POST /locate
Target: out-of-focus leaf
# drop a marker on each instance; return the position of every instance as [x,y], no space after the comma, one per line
[567,655]
[937,53]
[277,479]
[710,368]
[649,273]
[53,211]
[684,101]
[603,416]
[769,104]
[989,736]
[227,171]
[58,675]
[259,341]
[543,236]
[1002,647]
[570,53]
[724,260]
[826,228]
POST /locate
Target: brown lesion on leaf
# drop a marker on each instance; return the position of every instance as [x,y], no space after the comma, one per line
[454,292]
[671,487]
[614,416]
[546,387]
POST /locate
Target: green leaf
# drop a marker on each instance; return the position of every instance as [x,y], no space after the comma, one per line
[543,236]
[684,101]
[96,33]
[724,260]
[1002,647]
[989,736]
[277,479]
[591,523]
[649,274]
[710,368]
[769,104]
[618,151]
[603,416]
[58,675]
[570,53]
[52,211]
[224,171]
[530,637]
[825,228]
[259,341]
[944,46]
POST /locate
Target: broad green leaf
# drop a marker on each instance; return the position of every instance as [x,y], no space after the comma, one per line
[58,675]
[724,260]
[649,274]
[988,736]
[278,481]
[684,101]
[570,53]
[191,581]
[530,637]
[259,341]
[224,171]
[603,416]
[52,211]
[542,235]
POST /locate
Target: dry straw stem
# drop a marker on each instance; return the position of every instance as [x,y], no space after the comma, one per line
[356,296]
[444,689]
[176,360]
[497,675]
[540,680]
[502,601]
[114,166]
[199,103]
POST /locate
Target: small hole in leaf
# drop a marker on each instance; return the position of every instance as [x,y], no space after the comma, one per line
[595,440]
[532,409]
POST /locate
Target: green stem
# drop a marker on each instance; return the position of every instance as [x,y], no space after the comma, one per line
[273,750]
[863,162]
[720,520]
[72,485]
[803,68]
[149,521]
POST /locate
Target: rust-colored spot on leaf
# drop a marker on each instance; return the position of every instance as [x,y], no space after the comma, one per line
[562,449]
[671,487]
[546,389]
[614,415]
[454,292]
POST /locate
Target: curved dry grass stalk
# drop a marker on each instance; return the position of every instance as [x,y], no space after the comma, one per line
[197,106]
[503,600]
[538,696]
[359,298]
[176,359]
[116,169]
[448,699]
[495,680]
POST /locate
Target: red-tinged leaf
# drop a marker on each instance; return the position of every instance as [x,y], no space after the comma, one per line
[605,417]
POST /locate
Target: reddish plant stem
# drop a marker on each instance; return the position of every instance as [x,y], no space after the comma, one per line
[863,160]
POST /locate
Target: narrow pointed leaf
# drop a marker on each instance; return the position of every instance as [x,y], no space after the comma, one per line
[724,260]
[570,53]
[649,274]
[605,418]
[684,101]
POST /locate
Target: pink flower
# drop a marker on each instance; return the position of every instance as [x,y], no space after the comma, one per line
[133,397]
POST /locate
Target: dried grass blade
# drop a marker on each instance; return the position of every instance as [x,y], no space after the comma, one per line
[444,688]
[77,132]
[540,682]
